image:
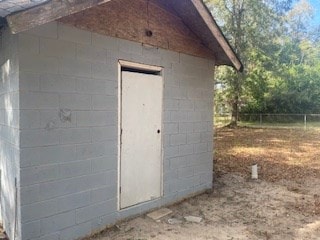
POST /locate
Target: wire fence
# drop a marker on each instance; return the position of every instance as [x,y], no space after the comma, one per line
[305,121]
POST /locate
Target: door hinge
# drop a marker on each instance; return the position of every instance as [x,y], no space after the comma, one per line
[120,190]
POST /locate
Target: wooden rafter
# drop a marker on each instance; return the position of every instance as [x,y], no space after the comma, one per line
[215,30]
[47,12]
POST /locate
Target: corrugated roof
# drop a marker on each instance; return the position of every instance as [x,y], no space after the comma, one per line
[10,6]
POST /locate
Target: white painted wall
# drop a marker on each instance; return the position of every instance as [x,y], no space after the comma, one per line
[9,132]
[69,129]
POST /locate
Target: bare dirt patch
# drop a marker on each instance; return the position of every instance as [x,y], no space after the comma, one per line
[283,204]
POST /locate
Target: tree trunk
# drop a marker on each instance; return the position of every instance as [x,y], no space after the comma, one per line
[236,101]
[235,112]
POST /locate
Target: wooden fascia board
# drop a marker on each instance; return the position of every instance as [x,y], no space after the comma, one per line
[215,30]
[48,12]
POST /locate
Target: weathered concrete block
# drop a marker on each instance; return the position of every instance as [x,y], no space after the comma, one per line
[30,230]
[170,175]
[186,149]
[106,71]
[193,138]
[62,118]
[201,168]
[104,102]
[75,169]
[171,128]
[38,174]
[47,155]
[73,185]
[29,194]
[29,44]
[75,67]
[206,136]
[112,88]
[171,104]
[99,223]
[196,62]
[29,119]
[202,104]
[186,127]
[175,93]
[93,211]
[104,133]
[105,42]
[39,100]
[75,101]
[90,53]
[171,152]
[194,116]
[178,139]
[75,135]
[38,138]
[57,83]
[57,222]
[74,201]
[29,81]
[72,34]
[201,147]
[126,46]
[96,118]
[39,210]
[103,194]
[88,151]
[57,48]
[104,163]
[185,172]
[49,30]
[53,236]
[169,56]
[200,127]
[39,63]
[178,162]
[179,116]
[186,104]
[90,86]
[76,231]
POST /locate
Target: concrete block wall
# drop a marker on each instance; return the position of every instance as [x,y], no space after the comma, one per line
[9,133]
[69,129]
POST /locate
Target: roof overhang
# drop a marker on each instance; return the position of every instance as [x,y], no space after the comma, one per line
[194,14]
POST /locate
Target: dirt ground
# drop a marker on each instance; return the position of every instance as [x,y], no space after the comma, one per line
[283,204]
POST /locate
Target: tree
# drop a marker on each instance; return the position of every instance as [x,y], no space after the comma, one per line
[296,89]
[252,27]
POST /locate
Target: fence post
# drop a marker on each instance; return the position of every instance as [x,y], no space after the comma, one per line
[305,122]
[260,119]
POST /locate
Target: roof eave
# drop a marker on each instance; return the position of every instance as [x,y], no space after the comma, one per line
[47,12]
[204,12]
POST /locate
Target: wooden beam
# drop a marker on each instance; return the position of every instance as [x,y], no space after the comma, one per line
[212,25]
[48,12]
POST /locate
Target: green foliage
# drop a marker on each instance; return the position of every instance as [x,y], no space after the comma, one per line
[281,56]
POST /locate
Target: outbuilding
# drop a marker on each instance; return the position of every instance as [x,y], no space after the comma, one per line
[105,110]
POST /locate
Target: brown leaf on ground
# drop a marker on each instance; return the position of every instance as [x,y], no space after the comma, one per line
[289,154]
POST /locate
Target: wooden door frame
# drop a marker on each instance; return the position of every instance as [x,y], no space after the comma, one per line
[142,67]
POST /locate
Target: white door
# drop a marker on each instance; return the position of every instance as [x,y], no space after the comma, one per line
[140,156]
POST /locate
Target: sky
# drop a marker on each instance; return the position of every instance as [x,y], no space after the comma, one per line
[316,7]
